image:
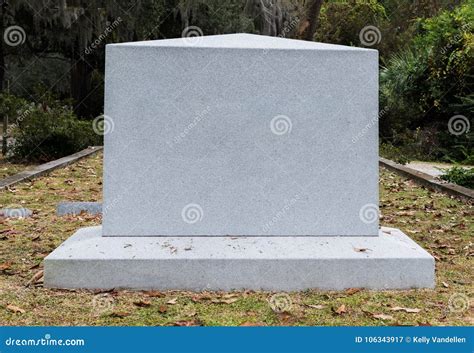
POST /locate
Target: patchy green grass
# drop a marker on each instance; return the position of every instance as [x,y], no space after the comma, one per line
[442,225]
[8,168]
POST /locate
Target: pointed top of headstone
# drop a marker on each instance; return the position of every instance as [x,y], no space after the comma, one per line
[239,41]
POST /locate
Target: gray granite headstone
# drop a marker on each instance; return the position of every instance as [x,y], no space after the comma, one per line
[240,135]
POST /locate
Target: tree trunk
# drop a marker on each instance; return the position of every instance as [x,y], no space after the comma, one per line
[80,84]
[310,23]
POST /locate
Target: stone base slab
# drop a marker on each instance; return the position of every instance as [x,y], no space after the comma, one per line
[390,261]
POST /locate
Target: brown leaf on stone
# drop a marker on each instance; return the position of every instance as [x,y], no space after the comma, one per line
[15,309]
[142,303]
[382,316]
[351,291]
[361,249]
[407,310]
[341,310]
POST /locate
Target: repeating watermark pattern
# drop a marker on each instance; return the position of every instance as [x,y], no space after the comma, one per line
[24,114]
[281,125]
[369,213]
[192,213]
[16,213]
[14,36]
[192,35]
[197,119]
[370,35]
[102,303]
[369,125]
[458,303]
[458,125]
[109,29]
[280,302]
[280,214]
[103,125]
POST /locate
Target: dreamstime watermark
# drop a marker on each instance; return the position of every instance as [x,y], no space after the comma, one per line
[466,28]
[280,302]
[458,125]
[24,114]
[192,35]
[102,303]
[369,213]
[280,214]
[197,119]
[281,125]
[458,303]
[103,125]
[289,26]
[109,29]
[17,213]
[370,35]
[369,125]
[192,213]
[47,340]
[14,36]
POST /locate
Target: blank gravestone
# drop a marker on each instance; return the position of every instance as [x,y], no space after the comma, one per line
[240,162]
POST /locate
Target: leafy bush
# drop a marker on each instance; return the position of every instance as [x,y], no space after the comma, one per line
[49,130]
[432,81]
[460,176]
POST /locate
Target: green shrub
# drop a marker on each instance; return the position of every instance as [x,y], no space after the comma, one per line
[460,176]
[48,131]
[425,85]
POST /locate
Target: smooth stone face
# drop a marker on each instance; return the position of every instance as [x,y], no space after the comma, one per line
[240,135]
[16,212]
[390,261]
[74,208]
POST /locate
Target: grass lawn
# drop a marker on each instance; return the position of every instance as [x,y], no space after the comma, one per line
[442,225]
[7,168]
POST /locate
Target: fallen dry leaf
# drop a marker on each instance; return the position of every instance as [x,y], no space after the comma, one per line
[163,309]
[36,278]
[408,310]
[361,249]
[15,309]
[445,284]
[351,291]
[142,303]
[172,301]
[341,310]
[154,294]
[382,317]
[119,314]
[224,301]
[5,266]
[188,323]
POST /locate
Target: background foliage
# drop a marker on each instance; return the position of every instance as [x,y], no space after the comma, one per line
[425,46]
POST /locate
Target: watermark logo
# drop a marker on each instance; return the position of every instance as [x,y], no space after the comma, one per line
[102,303]
[103,125]
[458,303]
[369,213]
[192,35]
[187,130]
[280,302]
[281,125]
[103,36]
[370,35]
[14,36]
[458,125]
[192,213]
[280,214]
